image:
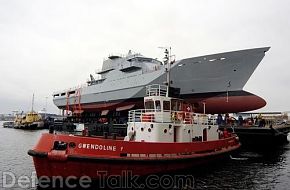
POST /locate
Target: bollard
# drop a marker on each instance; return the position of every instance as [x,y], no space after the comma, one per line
[51,129]
[114,136]
[105,135]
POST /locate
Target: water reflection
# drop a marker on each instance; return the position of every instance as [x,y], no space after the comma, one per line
[268,169]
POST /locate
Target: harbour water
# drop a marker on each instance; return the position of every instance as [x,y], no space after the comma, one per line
[246,170]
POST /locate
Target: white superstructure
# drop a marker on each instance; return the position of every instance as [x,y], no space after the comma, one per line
[167,119]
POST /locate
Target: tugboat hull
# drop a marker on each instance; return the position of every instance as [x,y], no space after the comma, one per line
[114,157]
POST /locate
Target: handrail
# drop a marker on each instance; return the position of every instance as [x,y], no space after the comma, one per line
[150,115]
[156,90]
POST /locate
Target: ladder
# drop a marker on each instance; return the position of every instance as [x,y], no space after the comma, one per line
[77,109]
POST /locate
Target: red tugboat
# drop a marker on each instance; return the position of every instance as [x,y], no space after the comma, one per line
[163,137]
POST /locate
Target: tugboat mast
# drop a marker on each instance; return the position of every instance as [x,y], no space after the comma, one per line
[167,60]
[32,103]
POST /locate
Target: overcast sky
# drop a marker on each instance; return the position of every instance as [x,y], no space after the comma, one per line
[51,45]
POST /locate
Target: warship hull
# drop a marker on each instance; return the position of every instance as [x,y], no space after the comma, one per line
[213,83]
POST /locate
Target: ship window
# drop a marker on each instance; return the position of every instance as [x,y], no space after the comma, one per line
[166,105]
[179,106]
[72,92]
[174,105]
[143,59]
[55,95]
[158,105]
[149,104]
[218,59]
[62,94]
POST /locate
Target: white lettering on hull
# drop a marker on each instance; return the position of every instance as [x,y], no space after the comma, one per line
[97,147]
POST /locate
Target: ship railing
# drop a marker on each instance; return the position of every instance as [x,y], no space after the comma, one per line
[192,118]
[176,117]
[156,90]
[204,119]
[149,115]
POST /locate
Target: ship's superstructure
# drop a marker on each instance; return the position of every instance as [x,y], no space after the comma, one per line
[211,83]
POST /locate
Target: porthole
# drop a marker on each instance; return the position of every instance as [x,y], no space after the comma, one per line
[72,145]
[165,130]
[188,131]
[151,125]
[142,129]
[170,126]
[149,130]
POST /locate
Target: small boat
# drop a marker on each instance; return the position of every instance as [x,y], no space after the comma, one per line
[31,120]
[8,124]
[165,136]
[259,130]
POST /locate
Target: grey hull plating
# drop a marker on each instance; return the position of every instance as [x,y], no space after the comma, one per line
[125,78]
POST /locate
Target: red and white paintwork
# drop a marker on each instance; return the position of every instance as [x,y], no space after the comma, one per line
[147,158]
[161,138]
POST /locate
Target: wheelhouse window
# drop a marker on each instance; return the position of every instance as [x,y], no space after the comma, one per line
[166,105]
[179,106]
[72,92]
[149,105]
[176,105]
[158,105]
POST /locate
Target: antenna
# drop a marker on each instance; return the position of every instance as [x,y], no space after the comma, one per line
[167,60]
[32,102]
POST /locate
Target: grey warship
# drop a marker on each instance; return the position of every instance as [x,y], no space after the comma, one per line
[211,83]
